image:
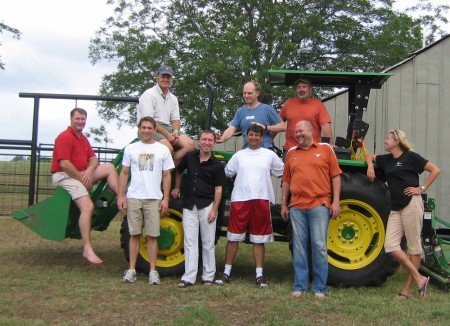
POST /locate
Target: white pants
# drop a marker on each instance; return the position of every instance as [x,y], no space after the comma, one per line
[193,221]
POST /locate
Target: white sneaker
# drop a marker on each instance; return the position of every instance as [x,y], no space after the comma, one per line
[129,276]
[153,278]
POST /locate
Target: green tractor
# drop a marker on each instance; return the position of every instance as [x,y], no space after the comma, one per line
[355,239]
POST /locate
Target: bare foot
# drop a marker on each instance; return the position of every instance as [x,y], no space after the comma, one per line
[91,257]
[319,295]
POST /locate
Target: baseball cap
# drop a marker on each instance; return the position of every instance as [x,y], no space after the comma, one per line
[165,70]
[303,81]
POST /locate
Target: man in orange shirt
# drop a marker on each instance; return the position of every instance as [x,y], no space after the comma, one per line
[312,176]
[305,107]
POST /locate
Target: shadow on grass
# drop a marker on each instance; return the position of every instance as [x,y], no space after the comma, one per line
[68,257]
[277,265]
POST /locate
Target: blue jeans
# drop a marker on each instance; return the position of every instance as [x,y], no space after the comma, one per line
[310,224]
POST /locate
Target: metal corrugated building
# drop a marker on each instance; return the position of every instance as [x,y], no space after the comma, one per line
[416,100]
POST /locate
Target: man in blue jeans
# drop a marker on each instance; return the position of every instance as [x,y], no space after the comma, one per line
[312,176]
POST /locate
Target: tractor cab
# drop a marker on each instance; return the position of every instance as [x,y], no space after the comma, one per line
[358,85]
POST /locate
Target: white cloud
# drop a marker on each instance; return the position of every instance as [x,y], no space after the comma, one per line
[51,57]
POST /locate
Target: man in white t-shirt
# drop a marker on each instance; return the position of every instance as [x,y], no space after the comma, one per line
[160,104]
[250,201]
[150,163]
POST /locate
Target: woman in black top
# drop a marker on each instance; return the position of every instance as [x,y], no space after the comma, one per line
[402,167]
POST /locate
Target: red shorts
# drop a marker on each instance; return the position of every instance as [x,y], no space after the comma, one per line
[251,215]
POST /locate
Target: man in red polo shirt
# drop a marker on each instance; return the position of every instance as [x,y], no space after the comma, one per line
[76,168]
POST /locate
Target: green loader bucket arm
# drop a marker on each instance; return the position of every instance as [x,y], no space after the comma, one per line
[56,217]
[47,218]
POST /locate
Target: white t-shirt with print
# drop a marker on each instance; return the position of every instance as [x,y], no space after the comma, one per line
[147,162]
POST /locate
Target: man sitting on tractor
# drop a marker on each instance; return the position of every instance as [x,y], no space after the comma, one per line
[76,168]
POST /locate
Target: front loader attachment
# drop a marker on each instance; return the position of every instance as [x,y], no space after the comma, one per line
[56,217]
[47,218]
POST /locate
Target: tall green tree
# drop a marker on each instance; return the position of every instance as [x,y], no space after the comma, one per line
[15,33]
[228,42]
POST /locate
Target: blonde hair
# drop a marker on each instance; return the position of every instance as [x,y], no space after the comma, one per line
[400,136]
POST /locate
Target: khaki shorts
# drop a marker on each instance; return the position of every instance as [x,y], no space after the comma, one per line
[408,221]
[158,136]
[74,187]
[143,214]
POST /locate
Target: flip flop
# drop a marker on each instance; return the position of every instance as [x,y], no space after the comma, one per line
[423,289]
[184,284]
[402,296]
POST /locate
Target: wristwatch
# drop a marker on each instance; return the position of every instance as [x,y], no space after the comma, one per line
[423,188]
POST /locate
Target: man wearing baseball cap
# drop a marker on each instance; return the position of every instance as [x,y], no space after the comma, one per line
[160,104]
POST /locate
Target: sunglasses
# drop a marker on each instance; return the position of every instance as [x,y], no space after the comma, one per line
[396,134]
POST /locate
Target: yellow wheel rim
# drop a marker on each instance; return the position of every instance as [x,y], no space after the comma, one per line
[170,241]
[356,236]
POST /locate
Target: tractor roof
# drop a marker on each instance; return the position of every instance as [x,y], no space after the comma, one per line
[328,78]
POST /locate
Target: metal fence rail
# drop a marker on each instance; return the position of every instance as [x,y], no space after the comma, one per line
[15,162]
[25,158]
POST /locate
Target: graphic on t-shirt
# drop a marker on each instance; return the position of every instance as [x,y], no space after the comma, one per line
[145,161]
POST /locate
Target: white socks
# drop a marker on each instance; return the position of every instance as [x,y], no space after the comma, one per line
[259,272]
[227,269]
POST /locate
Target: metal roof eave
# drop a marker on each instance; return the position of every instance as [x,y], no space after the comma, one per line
[328,78]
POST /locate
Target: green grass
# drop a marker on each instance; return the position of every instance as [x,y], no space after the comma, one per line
[44,282]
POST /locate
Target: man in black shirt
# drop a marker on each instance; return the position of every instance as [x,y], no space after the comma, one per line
[201,201]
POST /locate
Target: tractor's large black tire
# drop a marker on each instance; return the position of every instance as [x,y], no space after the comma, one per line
[356,238]
[171,243]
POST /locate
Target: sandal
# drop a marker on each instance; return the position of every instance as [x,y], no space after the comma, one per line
[402,296]
[208,283]
[423,289]
[184,284]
